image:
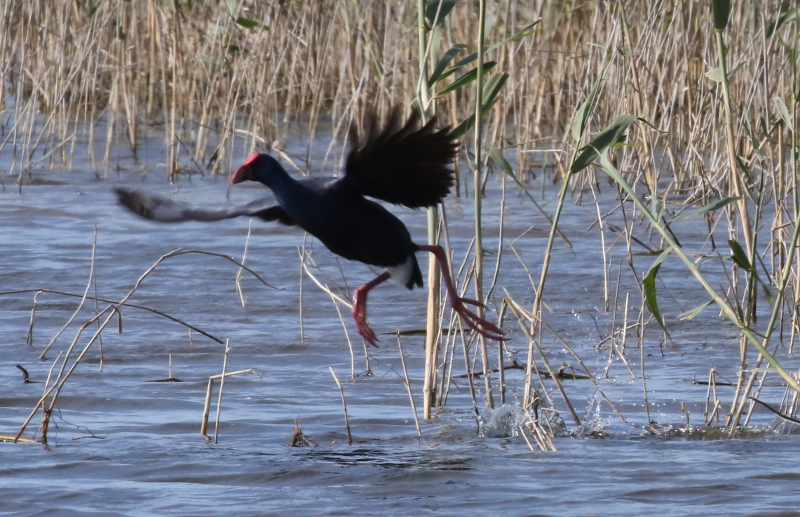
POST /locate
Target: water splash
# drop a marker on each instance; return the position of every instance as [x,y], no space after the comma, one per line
[593,425]
[502,422]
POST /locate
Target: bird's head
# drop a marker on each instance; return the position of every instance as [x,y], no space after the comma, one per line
[257,167]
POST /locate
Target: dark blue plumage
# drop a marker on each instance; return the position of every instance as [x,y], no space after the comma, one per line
[346,223]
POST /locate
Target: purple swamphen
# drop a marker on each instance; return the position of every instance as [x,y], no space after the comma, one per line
[400,164]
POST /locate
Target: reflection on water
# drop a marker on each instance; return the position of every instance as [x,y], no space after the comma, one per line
[120,445]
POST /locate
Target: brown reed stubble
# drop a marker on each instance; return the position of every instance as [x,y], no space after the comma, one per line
[193,67]
[197,71]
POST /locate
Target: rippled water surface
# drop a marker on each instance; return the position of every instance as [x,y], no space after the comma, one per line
[121,445]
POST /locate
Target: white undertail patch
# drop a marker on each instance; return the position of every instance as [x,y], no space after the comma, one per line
[403,273]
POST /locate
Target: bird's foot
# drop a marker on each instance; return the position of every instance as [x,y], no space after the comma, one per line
[365,329]
[360,308]
[480,325]
[360,315]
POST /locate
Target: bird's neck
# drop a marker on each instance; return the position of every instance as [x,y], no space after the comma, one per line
[276,178]
[290,193]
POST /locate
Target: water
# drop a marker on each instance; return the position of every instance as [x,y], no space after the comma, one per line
[121,445]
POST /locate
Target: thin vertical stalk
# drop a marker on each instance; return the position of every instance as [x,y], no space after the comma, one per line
[591,100]
[477,191]
[648,159]
[793,154]
[407,382]
[644,379]
[432,321]
[735,180]
[221,386]
[784,280]
[742,203]
[344,405]
[537,300]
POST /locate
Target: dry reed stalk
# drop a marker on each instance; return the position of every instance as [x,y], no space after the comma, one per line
[468,369]
[641,370]
[624,332]
[323,287]
[349,343]
[300,288]
[209,392]
[434,302]
[501,375]
[589,373]
[542,438]
[602,247]
[477,192]
[244,257]
[407,383]
[344,405]
[709,415]
[29,338]
[61,378]
[80,305]
[114,309]
[729,132]
[126,304]
[520,314]
[221,387]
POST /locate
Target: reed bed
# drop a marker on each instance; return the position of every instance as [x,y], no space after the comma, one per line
[240,69]
[686,106]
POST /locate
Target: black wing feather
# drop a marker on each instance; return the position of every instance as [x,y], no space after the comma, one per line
[276,213]
[401,164]
[164,210]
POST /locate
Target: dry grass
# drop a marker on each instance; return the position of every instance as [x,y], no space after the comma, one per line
[193,70]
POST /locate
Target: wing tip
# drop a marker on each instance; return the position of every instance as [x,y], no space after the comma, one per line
[139,203]
[130,199]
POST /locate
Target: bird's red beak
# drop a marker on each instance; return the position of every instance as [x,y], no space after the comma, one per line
[244,173]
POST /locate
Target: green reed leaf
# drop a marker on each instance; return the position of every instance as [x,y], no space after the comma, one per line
[703,209]
[740,257]
[433,7]
[247,23]
[445,60]
[608,137]
[649,284]
[688,315]
[783,111]
[467,78]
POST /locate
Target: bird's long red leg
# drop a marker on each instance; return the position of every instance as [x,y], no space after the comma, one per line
[360,308]
[473,321]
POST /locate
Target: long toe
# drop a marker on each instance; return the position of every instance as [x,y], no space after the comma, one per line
[481,326]
[366,331]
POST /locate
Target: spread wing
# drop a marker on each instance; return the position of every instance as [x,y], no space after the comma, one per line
[401,164]
[168,211]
